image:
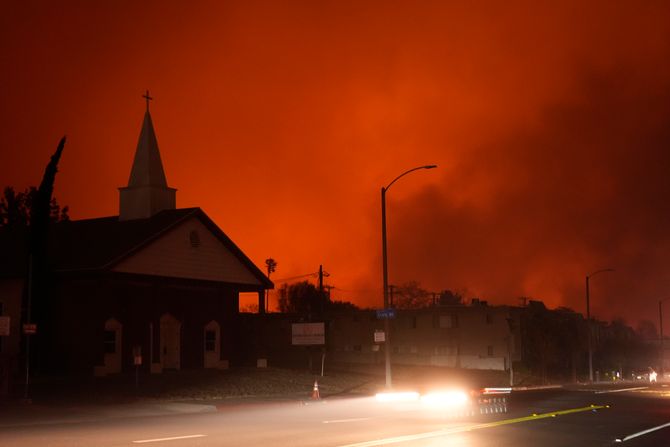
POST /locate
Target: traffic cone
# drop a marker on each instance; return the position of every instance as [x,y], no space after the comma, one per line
[315,391]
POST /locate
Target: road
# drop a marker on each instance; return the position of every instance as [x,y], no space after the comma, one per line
[546,418]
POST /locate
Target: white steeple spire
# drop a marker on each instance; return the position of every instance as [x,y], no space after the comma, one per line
[147,192]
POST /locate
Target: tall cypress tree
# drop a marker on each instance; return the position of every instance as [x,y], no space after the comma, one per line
[39,279]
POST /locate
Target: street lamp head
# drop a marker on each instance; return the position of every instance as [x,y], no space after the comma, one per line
[599,271]
[407,172]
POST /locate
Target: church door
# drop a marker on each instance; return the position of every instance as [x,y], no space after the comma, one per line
[212,345]
[170,342]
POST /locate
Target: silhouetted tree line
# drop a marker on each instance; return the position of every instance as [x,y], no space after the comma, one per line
[555,344]
[411,295]
[16,208]
[306,299]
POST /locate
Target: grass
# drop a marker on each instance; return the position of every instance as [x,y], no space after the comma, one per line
[265,383]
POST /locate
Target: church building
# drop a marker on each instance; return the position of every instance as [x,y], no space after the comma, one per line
[155,286]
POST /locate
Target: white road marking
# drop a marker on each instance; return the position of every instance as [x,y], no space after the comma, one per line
[397,439]
[339,421]
[174,438]
[643,432]
[622,390]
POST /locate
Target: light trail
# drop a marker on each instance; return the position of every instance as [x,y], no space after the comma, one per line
[340,421]
[643,432]
[173,438]
[434,434]
[622,390]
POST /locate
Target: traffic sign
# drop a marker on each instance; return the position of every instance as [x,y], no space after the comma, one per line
[384,314]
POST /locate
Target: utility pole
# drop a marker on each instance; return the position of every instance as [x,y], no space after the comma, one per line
[588,327]
[660,326]
[588,320]
[321,297]
[321,279]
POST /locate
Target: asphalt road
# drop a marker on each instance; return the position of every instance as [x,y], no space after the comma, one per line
[547,418]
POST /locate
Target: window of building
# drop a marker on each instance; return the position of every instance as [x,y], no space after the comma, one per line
[489,319]
[210,341]
[447,321]
[109,342]
[413,323]
[489,350]
[357,348]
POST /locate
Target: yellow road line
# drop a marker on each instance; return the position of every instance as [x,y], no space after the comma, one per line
[448,431]
[622,390]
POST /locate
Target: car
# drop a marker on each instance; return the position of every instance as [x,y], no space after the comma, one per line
[646,375]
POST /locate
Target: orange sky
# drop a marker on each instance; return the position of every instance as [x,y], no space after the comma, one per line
[283,119]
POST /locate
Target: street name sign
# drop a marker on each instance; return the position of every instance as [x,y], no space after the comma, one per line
[384,314]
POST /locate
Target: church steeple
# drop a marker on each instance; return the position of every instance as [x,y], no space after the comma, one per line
[147,192]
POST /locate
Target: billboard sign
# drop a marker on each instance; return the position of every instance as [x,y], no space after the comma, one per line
[306,334]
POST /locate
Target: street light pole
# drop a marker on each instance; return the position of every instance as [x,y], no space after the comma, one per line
[387,325]
[660,326]
[588,320]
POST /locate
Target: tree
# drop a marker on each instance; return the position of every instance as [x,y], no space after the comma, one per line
[410,295]
[38,280]
[646,329]
[554,341]
[450,298]
[301,297]
[16,208]
[305,298]
[271,266]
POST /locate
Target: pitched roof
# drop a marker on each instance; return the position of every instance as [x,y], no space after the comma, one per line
[99,244]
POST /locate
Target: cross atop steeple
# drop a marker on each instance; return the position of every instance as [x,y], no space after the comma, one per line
[148,98]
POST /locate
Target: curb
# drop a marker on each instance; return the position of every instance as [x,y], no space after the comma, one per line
[537,387]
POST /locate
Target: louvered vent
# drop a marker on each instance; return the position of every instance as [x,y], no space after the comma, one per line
[194,238]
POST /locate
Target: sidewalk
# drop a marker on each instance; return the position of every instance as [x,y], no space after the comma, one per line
[13,414]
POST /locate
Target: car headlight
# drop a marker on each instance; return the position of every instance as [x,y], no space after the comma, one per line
[445,399]
[400,396]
